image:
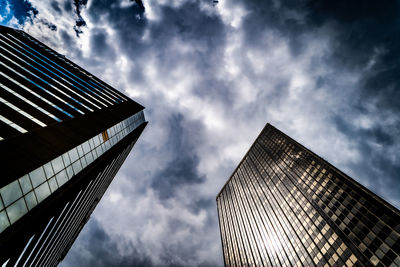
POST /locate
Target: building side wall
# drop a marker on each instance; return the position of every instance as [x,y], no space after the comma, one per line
[286,206]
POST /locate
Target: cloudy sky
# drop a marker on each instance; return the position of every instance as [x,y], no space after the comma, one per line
[324,72]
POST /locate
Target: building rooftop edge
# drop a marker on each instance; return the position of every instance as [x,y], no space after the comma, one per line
[220,191]
[362,187]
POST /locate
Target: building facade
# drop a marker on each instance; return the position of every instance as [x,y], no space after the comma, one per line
[64,134]
[286,206]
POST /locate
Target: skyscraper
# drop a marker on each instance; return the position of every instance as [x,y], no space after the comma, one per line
[286,206]
[63,136]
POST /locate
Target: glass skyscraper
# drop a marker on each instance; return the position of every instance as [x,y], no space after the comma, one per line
[63,136]
[286,206]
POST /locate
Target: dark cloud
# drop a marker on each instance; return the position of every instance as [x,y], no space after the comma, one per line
[99,249]
[66,38]
[80,22]
[67,5]
[139,3]
[127,21]
[364,37]
[181,168]
[100,46]
[373,144]
[50,25]
[56,6]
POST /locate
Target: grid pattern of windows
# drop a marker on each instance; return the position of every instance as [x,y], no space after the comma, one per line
[48,247]
[285,206]
[39,87]
[22,195]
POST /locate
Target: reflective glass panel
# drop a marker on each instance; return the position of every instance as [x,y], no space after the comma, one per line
[70,171]
[62,177]
[80,150]
[83,161]
[86,147]
[16,210]
[42,192]
[25,183]
[66,159]
[48,170]
[10,193]
[73,154]
[99,151]
[77,166]
[89,158]
[53,184]
[96,140]
[37,176]
[4,223]
[30,200]
[57,164]
[91,143]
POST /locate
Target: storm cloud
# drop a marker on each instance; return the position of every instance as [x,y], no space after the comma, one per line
[211,77]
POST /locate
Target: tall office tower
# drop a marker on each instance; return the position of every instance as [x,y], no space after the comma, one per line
[64,135]
[286,206]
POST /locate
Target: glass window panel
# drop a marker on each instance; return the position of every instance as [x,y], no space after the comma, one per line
[83,162]
[37,176]
[25,184]
[91,143]
[1,205]
[62,177]
[42,192]
[89,158]
[108,145]
[66,159]
[70,172]
[94,155]
[16,210]
[77,166]
[112,140]
[99,151]
[57,164]
[4,223]
[53,184]
[86,147]
[10,193]
[96,140]
[80,150]
[48,170]
[73,154]
[30,200]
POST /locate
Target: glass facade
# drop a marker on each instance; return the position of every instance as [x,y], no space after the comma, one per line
[22,195]
[285,206]
[55,89]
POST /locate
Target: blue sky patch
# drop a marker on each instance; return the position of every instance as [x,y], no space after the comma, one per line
[16,12]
